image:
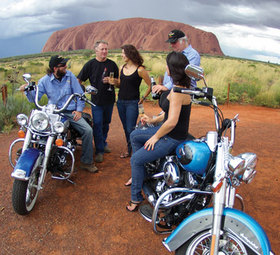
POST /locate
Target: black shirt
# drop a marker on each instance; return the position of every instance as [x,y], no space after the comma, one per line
[95,71]
[180,131]
[129,87]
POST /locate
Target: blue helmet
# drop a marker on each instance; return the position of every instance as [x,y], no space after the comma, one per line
[193,156]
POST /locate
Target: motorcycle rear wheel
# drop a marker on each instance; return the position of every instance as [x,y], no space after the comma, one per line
[201,244]
[25,193]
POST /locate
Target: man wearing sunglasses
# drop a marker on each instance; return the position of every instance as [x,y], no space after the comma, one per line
[59,84]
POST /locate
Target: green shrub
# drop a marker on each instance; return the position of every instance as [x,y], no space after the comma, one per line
[15,104]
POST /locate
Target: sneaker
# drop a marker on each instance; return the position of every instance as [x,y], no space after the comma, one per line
[89,167]
[107,149]
[99,158]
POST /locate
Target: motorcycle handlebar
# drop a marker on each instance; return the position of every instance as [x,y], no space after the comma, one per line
[197,92]
[81,96]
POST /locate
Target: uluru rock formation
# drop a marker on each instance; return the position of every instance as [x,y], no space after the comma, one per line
[144,34]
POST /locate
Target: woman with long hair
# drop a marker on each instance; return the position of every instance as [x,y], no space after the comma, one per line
[156,142]
[130,78]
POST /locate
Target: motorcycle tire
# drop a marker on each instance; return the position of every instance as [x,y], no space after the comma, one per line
[25,193]
[201,244]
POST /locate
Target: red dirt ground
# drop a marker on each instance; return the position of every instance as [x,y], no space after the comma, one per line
[90,217]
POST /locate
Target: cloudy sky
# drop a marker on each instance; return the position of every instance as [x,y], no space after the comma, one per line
[245,28]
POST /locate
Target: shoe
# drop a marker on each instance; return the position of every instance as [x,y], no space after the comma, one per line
[128,183]
[107,149]
[89,167]
[133,203]
[125,155]
[99,158]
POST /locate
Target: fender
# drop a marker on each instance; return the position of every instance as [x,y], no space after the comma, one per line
[239,223]
[25,164]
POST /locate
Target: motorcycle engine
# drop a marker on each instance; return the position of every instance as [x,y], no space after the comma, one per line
[171,172]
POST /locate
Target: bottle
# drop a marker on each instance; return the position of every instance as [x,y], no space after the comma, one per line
[155,96]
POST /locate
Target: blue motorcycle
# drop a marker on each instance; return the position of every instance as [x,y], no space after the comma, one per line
[221,229]
[47,144]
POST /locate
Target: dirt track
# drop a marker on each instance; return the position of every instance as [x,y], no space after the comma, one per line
[90,217]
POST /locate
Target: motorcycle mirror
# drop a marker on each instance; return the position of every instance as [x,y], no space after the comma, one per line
[27,77]
[194,72]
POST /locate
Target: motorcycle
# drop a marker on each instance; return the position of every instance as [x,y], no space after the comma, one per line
[191,167]
[48,144]
[219,229]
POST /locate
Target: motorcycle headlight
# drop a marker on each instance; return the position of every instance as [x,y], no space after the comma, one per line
[40,121]
[22,119]
[236,165]
[250,159]
[250,164]
[58,127]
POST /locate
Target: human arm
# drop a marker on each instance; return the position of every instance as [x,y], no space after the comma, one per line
[31,94]
[76,88]
[167,85]
[175,103]
[145,76]
[146,119]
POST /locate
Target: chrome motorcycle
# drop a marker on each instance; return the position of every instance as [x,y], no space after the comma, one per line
[220,229]
[191,167]
[46,143]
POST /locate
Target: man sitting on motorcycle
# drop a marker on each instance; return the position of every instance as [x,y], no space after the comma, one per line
[156,142]
[58,84]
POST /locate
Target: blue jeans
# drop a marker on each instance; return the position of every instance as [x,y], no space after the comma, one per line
[128,112]
[86,131]
[140,156]
[101,117]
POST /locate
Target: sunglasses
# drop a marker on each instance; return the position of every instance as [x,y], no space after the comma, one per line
[61,65]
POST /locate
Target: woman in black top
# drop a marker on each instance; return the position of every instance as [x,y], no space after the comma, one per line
[130,78]
[156,142]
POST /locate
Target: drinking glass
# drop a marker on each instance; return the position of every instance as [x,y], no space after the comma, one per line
[111,81]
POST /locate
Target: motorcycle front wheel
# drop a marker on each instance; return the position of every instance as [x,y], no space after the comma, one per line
[201,244]
[25,193]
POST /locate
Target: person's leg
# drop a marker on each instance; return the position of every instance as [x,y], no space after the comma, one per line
[97,118]
[122,114]
[86,132]
[141,156]
[138,137]
[131,120]
[107,117]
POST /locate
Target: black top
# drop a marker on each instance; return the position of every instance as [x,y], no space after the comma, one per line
[95,71]
[129,87]
[180,131]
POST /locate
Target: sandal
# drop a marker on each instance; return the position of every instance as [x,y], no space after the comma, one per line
[128,183]
[125,155]
[133,203]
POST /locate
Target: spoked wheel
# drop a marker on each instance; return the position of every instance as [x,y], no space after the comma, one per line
[25,193]
[201,244]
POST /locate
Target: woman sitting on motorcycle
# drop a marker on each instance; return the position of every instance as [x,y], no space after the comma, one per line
[159,141]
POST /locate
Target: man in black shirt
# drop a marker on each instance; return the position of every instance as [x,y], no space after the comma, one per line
[97,70]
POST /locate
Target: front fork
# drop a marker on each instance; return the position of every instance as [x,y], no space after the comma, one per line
[43,171]
[219,196]
[217,218]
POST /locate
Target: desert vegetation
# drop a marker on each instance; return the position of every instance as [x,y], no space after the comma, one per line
[247,81]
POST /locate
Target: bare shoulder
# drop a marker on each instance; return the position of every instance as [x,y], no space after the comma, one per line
[141,69]
[179,97]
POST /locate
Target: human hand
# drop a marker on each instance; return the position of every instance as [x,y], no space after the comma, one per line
[145,119]
[150,144]
[106,79]
[77,115]
[22,87]
[158,88]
